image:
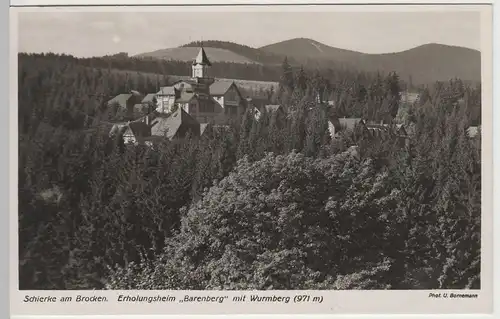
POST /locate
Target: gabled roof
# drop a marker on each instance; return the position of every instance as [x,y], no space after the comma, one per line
[202,58]
[120,99]
[166,90]
[170,126]
[220,87]
[149,98]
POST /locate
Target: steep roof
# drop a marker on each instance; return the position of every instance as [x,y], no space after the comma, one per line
[171,125]
[138,129]
[120,99]
[202,58]
[220,87]
[149,98]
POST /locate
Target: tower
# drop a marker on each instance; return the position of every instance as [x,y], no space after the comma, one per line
[201,65]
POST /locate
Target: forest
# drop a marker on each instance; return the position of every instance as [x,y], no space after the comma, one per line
[268,204]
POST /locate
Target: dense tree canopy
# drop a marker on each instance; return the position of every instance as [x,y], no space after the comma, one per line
[269,203]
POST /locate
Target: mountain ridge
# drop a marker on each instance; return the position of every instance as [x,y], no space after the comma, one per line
[424,63]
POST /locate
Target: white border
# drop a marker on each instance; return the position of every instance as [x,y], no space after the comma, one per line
[232,2]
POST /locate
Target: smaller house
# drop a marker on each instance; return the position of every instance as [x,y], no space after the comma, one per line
[227,94]
[136,132]
[125,103]
[176,125]
[132,132]
[337,125]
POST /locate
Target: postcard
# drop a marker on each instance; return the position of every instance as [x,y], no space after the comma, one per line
[251,159]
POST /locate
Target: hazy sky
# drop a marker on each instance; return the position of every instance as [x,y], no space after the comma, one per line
[91,33]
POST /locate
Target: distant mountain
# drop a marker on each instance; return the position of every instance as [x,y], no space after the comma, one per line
[256,55]
[302,48]
[425,64]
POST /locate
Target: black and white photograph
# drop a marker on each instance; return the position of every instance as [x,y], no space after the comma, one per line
[250,150]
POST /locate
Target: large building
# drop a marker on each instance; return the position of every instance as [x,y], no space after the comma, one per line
[188,107]
[203,97]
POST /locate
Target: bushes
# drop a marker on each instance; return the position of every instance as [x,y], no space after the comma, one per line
[284,222]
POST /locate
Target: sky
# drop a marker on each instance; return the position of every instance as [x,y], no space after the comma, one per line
[84,34]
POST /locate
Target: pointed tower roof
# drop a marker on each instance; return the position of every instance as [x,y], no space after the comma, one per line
[202,58]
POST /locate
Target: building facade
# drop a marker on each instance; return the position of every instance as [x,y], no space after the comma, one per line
[202,96]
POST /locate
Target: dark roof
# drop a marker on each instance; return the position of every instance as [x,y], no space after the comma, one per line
[139,129]
[169,126]
[149,98]
[120,99]
[202,58]
[220,87]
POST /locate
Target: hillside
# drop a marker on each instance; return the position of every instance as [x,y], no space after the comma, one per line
[425,64]
[256,55]
[302,48]
[188,53]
